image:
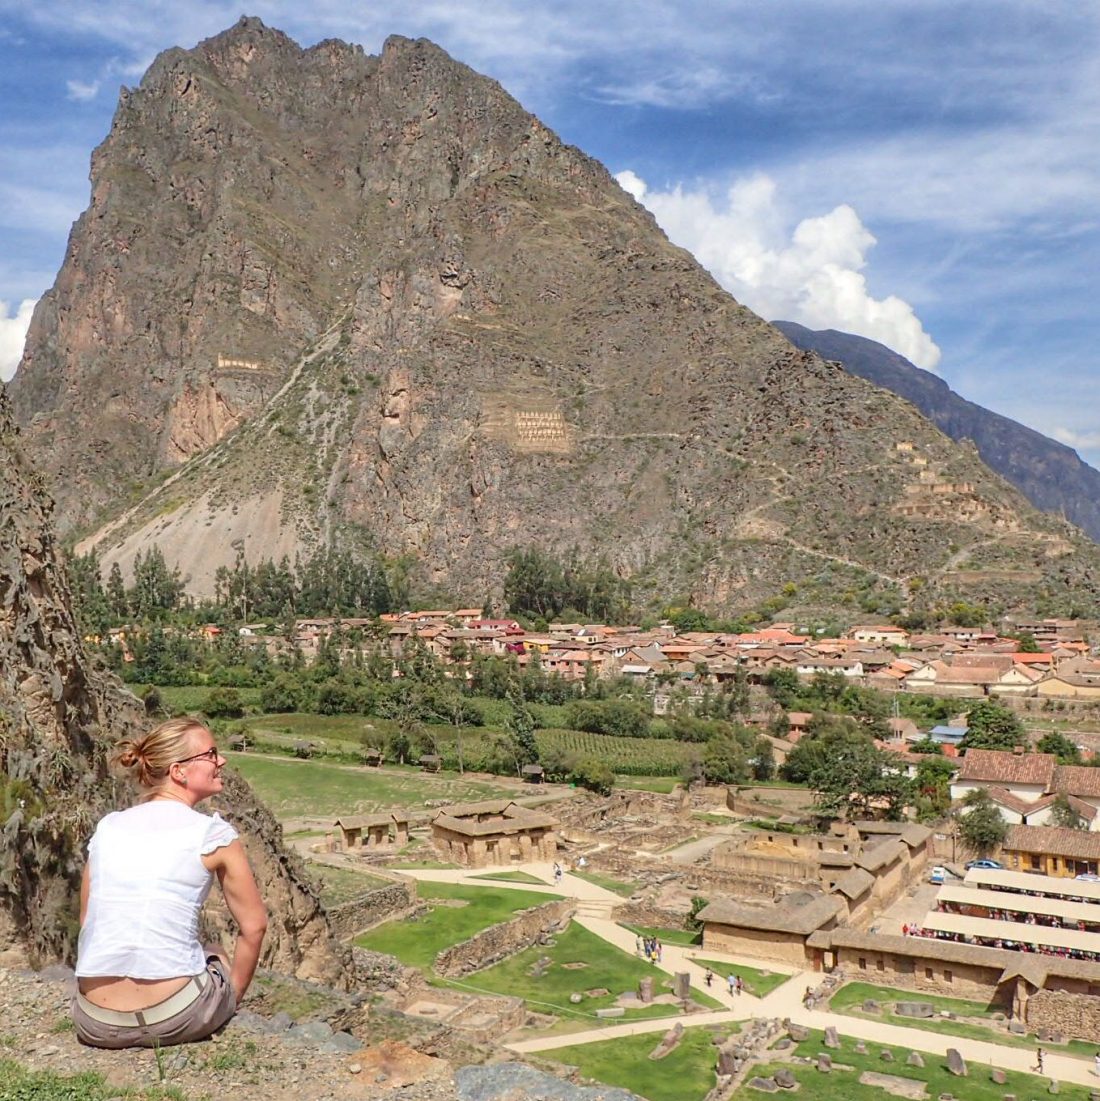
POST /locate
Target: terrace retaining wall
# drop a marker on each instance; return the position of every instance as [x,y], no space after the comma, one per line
[1076,1016]
[498,942]
[381,904]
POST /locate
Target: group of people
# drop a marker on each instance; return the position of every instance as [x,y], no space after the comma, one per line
[649,948]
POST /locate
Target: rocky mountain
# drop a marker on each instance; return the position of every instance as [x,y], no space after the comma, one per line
[1050,475]
[59,717]
[325,298]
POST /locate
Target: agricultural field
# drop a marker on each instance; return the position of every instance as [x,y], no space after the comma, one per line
[317,789]
[685,1074]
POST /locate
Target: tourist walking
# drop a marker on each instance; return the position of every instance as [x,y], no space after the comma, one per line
[1039,1053]
[740,985]
[708,978]
[1096,1063]
[731,983]
[557,872]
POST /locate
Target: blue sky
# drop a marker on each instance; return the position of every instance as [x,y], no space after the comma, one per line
[925,173]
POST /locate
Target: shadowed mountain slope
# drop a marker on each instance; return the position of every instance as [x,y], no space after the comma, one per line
[1050,475]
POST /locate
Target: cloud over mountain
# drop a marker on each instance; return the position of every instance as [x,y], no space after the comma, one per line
[813,273]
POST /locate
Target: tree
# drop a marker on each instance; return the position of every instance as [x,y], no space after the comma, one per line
[933,786]
[1062,814]
[725,761]
[594,774]
[981,826]
[1058,744]
[992,725]
[856,778]
[521,728]
[763,760]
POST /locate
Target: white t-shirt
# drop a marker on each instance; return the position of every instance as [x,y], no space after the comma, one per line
[148,885]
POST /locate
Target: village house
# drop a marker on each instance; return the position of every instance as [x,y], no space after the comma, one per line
[372,831]
[1051,850]
[884,634]
[1028,776]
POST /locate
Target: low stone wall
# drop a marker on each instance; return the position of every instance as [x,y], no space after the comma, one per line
[377,906]
[506,939]
[1074,1016]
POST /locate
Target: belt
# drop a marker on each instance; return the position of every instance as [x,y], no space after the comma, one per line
[154,1014]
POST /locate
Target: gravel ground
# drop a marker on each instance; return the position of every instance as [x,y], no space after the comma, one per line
[266,1058]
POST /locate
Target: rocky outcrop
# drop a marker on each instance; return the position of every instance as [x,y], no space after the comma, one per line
[472,338]
[59,715]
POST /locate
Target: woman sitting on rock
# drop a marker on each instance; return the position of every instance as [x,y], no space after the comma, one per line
[144,980]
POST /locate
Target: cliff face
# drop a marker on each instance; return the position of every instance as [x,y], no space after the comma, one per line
[372,302]
[59,716]
[1049,474]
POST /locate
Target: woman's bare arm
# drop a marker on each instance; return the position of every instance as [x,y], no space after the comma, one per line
[85,891]
[230,864]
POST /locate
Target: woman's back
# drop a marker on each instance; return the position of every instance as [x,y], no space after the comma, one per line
[148,884]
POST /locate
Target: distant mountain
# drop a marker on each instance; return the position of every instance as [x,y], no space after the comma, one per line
[1049,474]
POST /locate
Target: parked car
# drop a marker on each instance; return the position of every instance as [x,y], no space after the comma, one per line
[938,875]
[985,863]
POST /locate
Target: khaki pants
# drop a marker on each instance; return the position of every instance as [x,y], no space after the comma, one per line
[212,1007]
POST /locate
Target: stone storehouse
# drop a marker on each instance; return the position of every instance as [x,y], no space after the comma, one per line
[369,831]
[496,831]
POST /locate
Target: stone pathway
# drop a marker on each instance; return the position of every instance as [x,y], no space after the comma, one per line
[783,1002]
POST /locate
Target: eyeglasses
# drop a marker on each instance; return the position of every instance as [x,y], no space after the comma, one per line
[210,755]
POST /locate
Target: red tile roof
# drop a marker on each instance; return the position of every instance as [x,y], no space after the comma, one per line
[994,766]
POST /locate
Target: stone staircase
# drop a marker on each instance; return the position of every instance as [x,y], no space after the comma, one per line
[595,908]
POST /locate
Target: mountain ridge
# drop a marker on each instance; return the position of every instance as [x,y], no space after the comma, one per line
[408,320]
[1051,475]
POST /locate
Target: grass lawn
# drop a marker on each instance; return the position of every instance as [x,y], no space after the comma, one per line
[756,982]
[293,788]
[417,943]
[607,883]
[512,877]
[686,1074]
[605,966]
[845,1086]
[667,936]
[850,997]
[340,885]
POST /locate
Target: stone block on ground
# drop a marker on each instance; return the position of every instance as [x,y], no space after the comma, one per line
[914,1059]
[860,1048]
[645,990]
[764,1085]
[783,1045]
[886,1055]
[997,1076]
[824,1063]
[914,1009]
[681,985]
[1017,1028]
[956,1064]
[785,1080]
[610,1012]
[668,1042]
[575,998]
[831,1038]
[798,1033]
[1053,1088]
[871,1006]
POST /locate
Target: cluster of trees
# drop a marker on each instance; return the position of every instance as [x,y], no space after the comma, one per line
[330,583]
[541,585]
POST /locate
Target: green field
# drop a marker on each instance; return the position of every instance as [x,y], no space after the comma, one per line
[760,983]
[685,1074]
[849,1000]
[316,789]
[603,966]
[461,912]
[511,877]
[608,883]
[841,1085]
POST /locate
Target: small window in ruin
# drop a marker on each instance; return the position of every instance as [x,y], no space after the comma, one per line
[946,975]
[928,973]
[862,964]
[880,966]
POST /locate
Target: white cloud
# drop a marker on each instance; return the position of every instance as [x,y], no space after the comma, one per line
[812,274]
[13,335]
[81,92]
[1087,441]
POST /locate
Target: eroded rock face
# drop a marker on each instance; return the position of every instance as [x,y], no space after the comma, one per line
[59,716]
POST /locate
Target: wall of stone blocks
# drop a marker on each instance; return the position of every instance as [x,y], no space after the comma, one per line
[1075,1016]
[498,942]
[953,980]
[377,906]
